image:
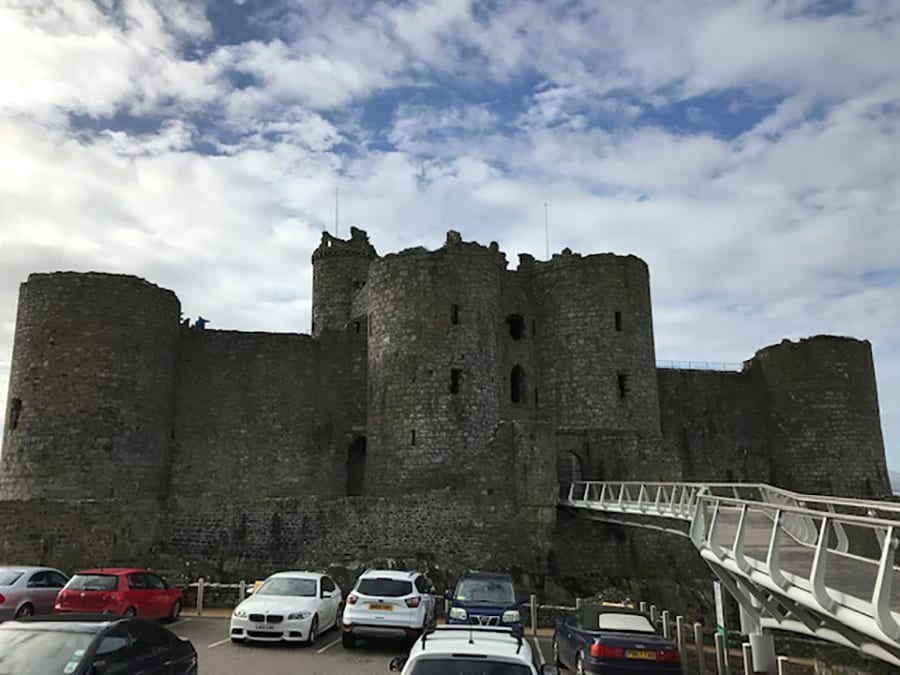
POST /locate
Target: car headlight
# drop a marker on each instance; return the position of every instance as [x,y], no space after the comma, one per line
[240,613]
[458,613]
[512,616]
[298,616]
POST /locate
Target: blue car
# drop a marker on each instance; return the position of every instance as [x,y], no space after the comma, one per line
[482,599]
[611,639]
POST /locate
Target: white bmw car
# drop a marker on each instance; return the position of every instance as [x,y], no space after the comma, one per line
[292,606]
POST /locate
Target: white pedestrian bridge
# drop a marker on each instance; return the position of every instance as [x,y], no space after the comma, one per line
[823,566]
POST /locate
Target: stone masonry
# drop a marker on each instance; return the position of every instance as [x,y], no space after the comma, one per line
[428,420]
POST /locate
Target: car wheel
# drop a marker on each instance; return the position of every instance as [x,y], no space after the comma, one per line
[348,640]
[313,629]
[579,665]
[131,611]
[24,610]
[176,611]
[237,641]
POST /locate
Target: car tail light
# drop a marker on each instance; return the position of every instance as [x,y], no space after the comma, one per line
[607,652]
[669,656]
[413,602]
[2,598]
[351,599]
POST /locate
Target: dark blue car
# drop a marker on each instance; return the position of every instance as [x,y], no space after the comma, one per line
[484,599]
[607,639]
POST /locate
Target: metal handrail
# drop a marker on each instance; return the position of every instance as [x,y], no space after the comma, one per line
[793,523]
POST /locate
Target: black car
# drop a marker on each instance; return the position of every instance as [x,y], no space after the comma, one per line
[73,644]
[607,639]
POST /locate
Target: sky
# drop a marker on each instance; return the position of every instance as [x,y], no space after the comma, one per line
[748,151]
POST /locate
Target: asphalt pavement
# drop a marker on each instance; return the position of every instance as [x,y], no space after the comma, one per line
[217,655]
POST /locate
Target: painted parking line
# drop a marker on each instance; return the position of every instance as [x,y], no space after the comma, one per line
[537,644]
[175,623]
[216,644]
[328,646]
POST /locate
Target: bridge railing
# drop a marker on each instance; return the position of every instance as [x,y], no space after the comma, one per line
[836,556]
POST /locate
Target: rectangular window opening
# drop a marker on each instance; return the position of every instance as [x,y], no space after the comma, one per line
[535,397]
[533,328]
[455,376]
[623,385]
[454,314]
[618,321]
[412,437]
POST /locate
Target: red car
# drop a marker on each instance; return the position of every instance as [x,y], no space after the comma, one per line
[121,592]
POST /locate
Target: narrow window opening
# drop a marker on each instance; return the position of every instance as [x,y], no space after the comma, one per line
[533,327]
[623,385]
[618,321]
[15,409]
[517,385]
[535,396]
[455,376]
[412,437]
[312,327]
[454,314]
[358,327]
[356,467]
[516,326]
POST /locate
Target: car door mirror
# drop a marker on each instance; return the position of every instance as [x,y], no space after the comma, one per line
[98,668]
[397,664]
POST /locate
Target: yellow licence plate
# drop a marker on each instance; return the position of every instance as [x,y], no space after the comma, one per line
[640,654]
[385,608]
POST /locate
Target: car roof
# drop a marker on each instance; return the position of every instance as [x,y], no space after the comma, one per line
[486,575]
[28,568]
[114,570]
[481,640]
[297,574]
[402,575]
[73,623]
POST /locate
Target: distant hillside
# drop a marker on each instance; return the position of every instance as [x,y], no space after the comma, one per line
[895,481]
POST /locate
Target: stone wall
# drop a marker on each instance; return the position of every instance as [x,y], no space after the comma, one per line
[91,390]
[715,423]
[265,415]
[594,339]
[77,534]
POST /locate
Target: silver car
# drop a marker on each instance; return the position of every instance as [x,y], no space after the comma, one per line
[28,590]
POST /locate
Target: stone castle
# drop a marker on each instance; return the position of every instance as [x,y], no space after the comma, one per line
[430,417]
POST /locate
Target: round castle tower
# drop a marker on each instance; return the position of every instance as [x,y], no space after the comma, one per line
[594,337]
[433,365]
[340,270]
[826,426]
[91,390]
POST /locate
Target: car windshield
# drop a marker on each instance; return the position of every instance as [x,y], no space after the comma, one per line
[625,622]
[92,582]
[288,586]
[9,577]
[385,588]
[39,652]
[486,590]
[452,666]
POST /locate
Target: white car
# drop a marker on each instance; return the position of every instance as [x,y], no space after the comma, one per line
[388,604]
[467,650]
[290,606]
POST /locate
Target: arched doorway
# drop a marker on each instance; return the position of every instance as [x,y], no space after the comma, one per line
[356,467]
[517,384]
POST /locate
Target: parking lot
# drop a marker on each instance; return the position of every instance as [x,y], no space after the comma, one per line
[218,656]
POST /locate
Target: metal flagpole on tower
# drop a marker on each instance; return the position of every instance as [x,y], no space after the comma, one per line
[335,212]
[547,230]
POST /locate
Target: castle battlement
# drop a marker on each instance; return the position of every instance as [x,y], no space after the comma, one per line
[430,377]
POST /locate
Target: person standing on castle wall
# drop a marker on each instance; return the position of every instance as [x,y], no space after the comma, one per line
[201,323]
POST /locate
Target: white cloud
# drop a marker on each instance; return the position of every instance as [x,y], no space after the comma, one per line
[773,233]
